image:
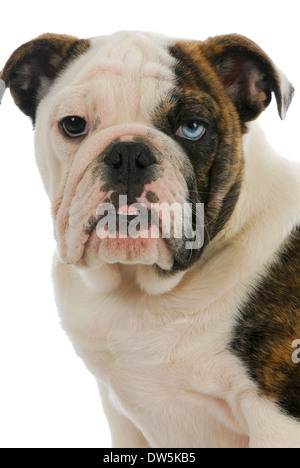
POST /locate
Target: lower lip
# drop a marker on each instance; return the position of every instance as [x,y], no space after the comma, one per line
[119,242]
[147,248]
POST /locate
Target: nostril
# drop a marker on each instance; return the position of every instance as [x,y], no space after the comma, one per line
[115,159]
[117,162]
[143,160]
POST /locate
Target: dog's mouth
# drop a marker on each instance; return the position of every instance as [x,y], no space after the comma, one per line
[122,220]
[136,233]
[126,233]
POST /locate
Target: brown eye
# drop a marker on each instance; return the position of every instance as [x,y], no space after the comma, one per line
[74,126]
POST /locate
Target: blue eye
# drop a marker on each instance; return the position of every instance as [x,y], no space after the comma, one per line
[191,130]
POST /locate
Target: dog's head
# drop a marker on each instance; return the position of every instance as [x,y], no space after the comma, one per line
[140,123]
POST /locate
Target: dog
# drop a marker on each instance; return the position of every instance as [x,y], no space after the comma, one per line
[194,339]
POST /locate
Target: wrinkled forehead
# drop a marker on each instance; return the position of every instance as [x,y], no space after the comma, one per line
[130,71]
[137,54]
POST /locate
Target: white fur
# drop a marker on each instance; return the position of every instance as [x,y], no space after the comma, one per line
[159,350]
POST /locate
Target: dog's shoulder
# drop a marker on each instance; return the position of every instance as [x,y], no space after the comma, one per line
[269,324]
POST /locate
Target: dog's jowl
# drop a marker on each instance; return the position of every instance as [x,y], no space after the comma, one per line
[178,248]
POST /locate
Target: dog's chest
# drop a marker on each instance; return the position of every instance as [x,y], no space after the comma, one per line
[161,370]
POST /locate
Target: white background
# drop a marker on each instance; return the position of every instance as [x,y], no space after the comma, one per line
[47,397]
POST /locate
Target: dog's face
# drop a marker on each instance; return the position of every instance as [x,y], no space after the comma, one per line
[155,121]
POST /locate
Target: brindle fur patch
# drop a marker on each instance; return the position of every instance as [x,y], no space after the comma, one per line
[217,158]
[267,327]
[233,51]
[42,58]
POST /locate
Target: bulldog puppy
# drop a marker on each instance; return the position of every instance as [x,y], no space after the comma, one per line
[192,334]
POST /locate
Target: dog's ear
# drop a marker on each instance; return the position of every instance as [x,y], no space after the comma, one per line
[33,67]
[248,75]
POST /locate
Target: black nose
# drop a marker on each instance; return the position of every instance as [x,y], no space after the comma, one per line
[130,163]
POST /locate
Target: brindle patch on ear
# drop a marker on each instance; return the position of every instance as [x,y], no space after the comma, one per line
[32,68]
[248,75]
[267,327]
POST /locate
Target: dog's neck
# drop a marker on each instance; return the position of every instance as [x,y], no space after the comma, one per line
[270,193]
